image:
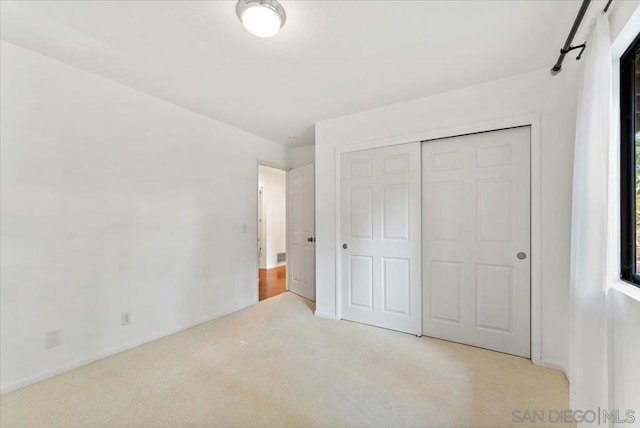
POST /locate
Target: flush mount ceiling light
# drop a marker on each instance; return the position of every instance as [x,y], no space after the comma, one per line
[262,18]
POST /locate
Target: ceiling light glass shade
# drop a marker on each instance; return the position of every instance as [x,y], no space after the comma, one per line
[262,18]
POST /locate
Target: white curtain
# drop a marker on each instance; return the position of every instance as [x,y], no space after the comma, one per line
[588,320]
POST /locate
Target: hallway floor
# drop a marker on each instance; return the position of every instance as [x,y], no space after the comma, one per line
[271,282]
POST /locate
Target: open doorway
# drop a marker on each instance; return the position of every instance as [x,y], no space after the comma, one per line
[272,231]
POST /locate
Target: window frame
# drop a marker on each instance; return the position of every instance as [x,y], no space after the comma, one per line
[628,272]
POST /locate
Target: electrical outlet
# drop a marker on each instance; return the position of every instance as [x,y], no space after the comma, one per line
[52,339]
[126,318]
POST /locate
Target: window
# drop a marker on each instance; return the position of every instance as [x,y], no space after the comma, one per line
[630,163]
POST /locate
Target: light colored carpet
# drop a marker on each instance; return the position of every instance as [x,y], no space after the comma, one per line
[276,364]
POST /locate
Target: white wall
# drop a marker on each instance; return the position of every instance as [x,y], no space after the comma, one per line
[624,348]
[301,156]
[115,201]
[619,14]
[274,193]
[554,98]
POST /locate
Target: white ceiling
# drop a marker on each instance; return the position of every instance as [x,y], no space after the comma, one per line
[331,58]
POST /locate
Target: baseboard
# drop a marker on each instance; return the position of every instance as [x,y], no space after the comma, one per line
[325,315]
[271,267]
[550,365]
[279,267]
[101,355]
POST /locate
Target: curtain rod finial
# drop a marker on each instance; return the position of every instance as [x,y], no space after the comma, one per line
[555,70]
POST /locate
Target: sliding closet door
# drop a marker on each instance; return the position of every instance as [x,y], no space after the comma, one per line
[476,240]
[380,230]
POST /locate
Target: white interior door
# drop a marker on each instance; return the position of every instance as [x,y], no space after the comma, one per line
[476,240]
[301,263]
[380,232]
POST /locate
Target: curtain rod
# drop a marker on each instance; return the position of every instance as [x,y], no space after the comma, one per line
[557,68]
[567,44]
[606,8]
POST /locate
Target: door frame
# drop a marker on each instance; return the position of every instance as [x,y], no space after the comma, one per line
[286,170]
[261,228]
[532,120]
